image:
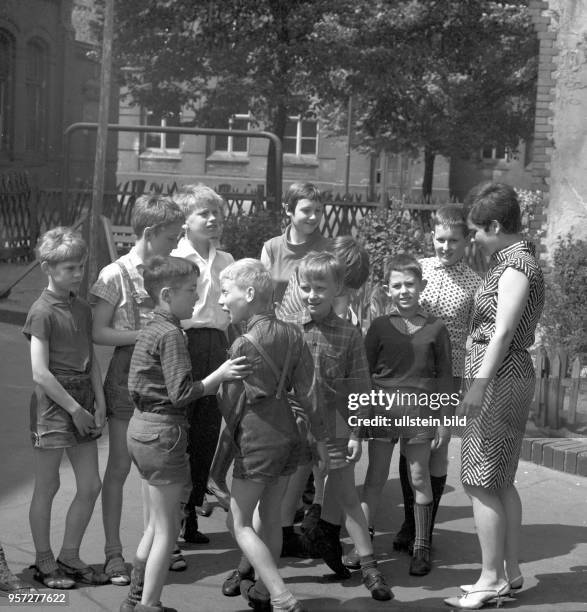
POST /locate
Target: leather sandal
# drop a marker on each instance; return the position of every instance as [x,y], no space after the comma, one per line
[115,568]
[57,579]
[13,584]
[86,575]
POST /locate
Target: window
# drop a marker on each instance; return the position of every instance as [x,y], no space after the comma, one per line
[163,142]
[36,96]
[6,91]
[301,137]
[495,152]
[234,144]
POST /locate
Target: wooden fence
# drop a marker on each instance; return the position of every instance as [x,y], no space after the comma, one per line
[558,396]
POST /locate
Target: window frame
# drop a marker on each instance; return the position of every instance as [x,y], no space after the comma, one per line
[299,137]
[7,92]
[230,149]
[163,136]
[36,134]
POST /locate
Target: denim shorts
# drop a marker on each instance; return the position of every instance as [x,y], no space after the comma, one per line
[118,401]
[267,441]
[51,425]
[157,445]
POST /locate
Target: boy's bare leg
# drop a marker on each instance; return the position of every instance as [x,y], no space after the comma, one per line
[46,466]
[244,497]
[380,453]
[117,470]
[418,458]
[293,493]
[162,533]
[84,461]
[319,482]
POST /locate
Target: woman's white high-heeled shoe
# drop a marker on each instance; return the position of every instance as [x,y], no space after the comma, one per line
[515,585]
[476,599]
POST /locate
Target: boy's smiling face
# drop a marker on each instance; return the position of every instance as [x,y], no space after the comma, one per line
[404,290]
[204,223]
[306,216]
[449,244]
[235,300]
[318,294]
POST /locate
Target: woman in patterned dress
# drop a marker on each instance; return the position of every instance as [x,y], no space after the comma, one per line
[500,383]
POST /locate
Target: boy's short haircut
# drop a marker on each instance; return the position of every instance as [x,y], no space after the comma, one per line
[355,259]
[196,196]
[61,244]
[154,211]
[249,272]
[300,191]
[453,217]
[317,265]
[167,271]
[404,263]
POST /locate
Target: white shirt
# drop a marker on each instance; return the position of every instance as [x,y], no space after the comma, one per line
[207,311]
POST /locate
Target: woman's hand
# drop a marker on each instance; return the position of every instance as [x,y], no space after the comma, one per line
[354,450]
[472,402]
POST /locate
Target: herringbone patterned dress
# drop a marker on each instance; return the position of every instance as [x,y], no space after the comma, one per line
[493,438]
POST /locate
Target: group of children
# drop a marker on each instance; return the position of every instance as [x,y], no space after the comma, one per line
[297,355]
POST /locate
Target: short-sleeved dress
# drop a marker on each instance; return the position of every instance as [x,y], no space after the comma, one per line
[492,440]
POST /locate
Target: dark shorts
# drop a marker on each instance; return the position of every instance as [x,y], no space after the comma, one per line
[118,401]
[51,425]
[157,445]
[268,442]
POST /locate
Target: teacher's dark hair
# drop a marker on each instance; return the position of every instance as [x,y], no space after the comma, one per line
[494,202]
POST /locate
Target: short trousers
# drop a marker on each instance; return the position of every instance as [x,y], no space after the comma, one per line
[267,447]
[51,425]
[157,445]
[119,404]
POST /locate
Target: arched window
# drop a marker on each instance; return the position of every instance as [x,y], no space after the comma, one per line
[6,92]
[37,74]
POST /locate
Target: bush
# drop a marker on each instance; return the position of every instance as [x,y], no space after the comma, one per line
[387,232]
[564,322]
[244,235]
[530,207]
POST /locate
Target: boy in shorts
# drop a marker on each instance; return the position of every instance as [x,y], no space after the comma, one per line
[263,426]
[161,386]
[340,369]
[122,307]
[67,408]
[449,295]
[409,357]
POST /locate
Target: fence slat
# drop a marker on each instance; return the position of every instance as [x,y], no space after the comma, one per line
[574,390]
[552,408]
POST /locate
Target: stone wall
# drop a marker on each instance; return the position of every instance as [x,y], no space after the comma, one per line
[560,151]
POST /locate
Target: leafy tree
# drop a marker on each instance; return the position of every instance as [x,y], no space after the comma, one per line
[443,76]
[220,58]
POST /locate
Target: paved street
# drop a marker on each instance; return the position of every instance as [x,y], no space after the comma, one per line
[554,537]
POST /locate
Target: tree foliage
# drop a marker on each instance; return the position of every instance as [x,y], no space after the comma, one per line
[445,76]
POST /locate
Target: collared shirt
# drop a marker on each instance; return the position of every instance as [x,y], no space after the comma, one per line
[421,360]
[160,377]
[273,335]
[65,322]
[449,295]
[340,366]
[408,325]
[207,311]
[281,257]
[113,288]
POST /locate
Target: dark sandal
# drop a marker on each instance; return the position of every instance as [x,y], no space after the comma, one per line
[57,579]
[13,584]
[87,575]
[115,568]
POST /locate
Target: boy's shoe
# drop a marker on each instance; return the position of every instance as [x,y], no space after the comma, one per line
[375,582]
[324,539]
[85,575]
[260,602]
[231,586]
[177,562]
[404,539]
[189,530]
[115,568]
[352,560]
[311,517]
[420,564]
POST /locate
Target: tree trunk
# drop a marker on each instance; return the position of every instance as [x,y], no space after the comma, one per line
[278,121]
[428,174]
